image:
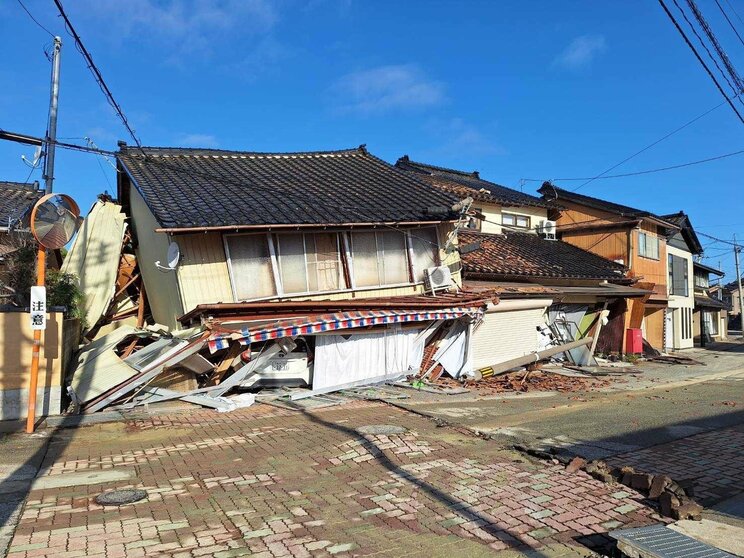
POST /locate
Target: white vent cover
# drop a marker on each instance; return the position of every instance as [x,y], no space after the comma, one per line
[437,278]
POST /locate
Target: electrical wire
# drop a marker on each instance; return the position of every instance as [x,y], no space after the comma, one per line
[647,171]
[731,24]
[25,9]
[716,45]
[699,58]
[97,74]
[649,146]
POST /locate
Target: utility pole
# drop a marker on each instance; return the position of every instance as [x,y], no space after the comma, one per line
[51,138]
[737,249]
[51,135]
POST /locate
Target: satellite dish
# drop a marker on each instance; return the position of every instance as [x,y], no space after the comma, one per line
[54,220]
[173,255]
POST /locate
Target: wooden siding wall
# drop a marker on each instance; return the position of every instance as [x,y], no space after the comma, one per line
[161,286]
[612,245]
[652,271]
[203,275]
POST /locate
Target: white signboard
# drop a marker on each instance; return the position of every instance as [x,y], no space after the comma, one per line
[38,308]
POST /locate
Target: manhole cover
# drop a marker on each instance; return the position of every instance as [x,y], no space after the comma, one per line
[120,497]
[381,429]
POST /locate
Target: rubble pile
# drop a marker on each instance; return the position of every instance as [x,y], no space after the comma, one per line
[522,381]
[674,498]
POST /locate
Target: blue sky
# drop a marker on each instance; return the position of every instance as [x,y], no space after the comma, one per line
[513,89]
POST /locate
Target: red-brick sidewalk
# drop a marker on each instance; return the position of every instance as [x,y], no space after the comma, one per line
[713,461]
[269,483]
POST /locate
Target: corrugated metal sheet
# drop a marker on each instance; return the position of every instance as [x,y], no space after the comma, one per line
[94,257]
[203,273]
[506,335]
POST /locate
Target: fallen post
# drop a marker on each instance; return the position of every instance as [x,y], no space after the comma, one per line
[532,357]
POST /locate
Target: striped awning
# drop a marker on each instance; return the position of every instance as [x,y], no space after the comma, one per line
[310,325]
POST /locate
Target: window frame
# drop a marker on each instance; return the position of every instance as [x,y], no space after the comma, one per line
[646,236]
[276,255]
[516,217]
[346,260]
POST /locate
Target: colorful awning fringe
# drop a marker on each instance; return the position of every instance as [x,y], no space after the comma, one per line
[331,322]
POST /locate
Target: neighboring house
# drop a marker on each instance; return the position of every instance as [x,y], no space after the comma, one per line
[682,245]
[16,201]
[729,295]
[278,227]
[634,238]
[500,207]
[710,318]
[538,281]
[531,275]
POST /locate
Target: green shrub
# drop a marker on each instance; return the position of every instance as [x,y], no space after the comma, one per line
[63,290]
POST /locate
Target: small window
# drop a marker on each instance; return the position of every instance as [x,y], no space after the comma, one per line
[513,220]
[648,246]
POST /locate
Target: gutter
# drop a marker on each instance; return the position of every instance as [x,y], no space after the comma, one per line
[269,227]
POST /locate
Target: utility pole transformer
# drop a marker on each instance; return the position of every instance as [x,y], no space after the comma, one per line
[51,135]
[737,249]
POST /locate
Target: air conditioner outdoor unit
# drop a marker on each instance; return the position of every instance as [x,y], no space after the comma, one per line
[547,228]
[438,278]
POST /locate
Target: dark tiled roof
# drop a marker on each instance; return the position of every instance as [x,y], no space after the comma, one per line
[464,184]
[708,302]
[16,199]
[555,194]
[521,255]
[682,220]
[709,269]
[187,188]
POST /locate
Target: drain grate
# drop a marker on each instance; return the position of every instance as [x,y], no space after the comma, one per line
[120,497]
[381,429]
[658,541]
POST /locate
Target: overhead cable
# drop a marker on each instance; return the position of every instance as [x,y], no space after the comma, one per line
[700,59]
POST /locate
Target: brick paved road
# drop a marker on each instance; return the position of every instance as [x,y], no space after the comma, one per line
[714,460]
[268,483]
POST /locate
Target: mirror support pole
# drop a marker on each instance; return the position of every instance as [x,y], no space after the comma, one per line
[34,380]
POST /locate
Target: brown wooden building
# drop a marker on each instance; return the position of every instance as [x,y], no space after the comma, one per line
[634,238]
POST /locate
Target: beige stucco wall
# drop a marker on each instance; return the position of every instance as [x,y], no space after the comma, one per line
[161,286]
[493,212]
[678,301]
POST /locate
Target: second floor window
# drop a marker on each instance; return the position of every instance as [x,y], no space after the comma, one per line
[678,276]
[269,265]
[648,246]
[513,220]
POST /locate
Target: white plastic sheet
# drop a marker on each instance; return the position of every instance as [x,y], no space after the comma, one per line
[454,352]
[343,359]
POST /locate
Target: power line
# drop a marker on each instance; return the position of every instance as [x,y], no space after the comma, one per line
[716,45]
[648,171]
[719,239]
[25,9]
[729,21]
[649,146]
[36,141]
[699,58]
[735,12]
[97,74]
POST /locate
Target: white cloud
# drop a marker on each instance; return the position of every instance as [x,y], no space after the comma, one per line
[387,88]
[186,26]
[580,52]
[458,136]
[198,140]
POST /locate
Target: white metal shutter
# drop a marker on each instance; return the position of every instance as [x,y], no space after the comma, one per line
[506,335]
